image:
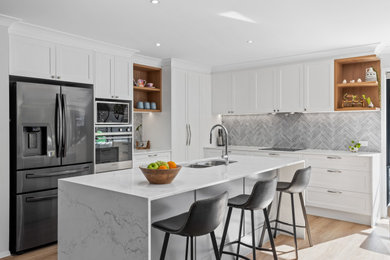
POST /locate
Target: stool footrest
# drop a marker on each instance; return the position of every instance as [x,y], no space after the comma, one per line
[287,224]
[234,254]
[282,230]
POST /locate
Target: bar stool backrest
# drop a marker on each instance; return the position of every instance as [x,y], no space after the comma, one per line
[263,193]
[205,215]
[300,180]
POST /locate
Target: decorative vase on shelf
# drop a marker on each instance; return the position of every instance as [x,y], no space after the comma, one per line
[370,74]
[371,105]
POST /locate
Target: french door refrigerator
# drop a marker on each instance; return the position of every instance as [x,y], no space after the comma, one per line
[51,137]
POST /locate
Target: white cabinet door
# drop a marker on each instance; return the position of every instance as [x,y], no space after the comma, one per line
[74,64]
[244,92]
[222,93]
[32,58]
[318,86]
[123,80]
[179,126]
[104,79]
[291,88]
[266,90]
[193,115]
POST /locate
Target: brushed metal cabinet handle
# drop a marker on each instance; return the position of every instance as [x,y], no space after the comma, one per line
[273,154]
[334,192]
[333,157]
[334,171]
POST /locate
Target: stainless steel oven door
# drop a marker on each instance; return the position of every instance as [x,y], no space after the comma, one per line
[114,152]
[108,112]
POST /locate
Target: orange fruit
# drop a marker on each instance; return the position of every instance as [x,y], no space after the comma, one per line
[162,167]
[172,165]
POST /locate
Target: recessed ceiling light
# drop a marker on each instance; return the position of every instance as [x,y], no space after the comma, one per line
[158,44]
[249,41]
[155,1]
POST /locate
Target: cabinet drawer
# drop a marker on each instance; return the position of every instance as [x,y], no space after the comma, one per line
[338,200]
[142,159]
[338,162]
[340,179]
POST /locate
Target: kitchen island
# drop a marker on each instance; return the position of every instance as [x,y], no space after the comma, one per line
[109,215]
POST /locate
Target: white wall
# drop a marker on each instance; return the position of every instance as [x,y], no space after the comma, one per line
[4,147]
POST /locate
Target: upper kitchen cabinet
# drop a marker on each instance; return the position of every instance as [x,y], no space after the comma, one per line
[32,58]
[290,89]
[318,90]
[41,59]
[266,90]
[222,93]
[113,78]
[74,64]
[244,92]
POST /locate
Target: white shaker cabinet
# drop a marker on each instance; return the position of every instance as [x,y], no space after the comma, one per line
[318,86]
[74,64]
[104,77]
[186,113]
[113,77]
[266,90]
[41,59]
[290,89]
[32,58]
[222,93]
[244,92]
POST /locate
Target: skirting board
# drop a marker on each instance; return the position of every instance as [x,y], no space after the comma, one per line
[339,215]
[4,254]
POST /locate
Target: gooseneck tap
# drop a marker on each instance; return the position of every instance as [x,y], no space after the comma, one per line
[225,155]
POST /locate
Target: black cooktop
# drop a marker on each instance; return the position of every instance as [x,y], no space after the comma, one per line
[282,149]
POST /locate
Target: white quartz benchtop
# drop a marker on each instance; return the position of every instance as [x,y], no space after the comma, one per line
[133,182]
[304,151]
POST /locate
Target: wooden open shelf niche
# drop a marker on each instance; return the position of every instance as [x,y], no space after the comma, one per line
[353,69]
[152,75]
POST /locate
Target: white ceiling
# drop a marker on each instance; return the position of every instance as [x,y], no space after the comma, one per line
[193,30]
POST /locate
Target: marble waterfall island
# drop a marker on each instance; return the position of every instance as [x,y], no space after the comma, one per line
[109,215]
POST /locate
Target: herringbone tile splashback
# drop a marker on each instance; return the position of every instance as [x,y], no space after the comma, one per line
[330,131]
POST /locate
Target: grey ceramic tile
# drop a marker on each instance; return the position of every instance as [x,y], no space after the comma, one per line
[332,131]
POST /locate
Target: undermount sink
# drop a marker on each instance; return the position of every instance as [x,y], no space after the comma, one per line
[205,164]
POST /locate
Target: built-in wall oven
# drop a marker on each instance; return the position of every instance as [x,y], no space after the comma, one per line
[114,147]
[113,135]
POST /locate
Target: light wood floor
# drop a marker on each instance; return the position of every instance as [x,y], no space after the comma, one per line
[333,240]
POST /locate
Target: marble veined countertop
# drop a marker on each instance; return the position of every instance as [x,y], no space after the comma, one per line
[304,151]
[132,181]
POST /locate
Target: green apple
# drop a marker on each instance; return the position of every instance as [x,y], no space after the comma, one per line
[159,163]
[153,166]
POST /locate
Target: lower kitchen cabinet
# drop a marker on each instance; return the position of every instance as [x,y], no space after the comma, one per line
[146,158]
[342,186]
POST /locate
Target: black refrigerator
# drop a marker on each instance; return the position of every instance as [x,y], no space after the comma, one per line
[51,137]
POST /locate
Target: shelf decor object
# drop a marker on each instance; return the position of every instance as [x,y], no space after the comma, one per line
[351,95]
[145,94]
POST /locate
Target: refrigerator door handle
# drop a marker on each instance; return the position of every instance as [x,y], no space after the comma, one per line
[64,125]
[58,126]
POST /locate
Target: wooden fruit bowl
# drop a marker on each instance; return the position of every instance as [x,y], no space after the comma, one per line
[156,176]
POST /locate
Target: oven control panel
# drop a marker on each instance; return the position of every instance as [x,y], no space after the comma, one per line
[112,129]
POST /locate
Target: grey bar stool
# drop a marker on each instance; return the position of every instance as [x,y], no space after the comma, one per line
[203,218]
[297,185]
[261,197]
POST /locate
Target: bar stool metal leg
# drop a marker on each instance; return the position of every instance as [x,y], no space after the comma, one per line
[271,239]
[225,230]
[306,219]
[187,247]
[239,233]
[214,241]
[277,214]
[264,227]
[165,245]
[294,225]
[253,236]
[192,248]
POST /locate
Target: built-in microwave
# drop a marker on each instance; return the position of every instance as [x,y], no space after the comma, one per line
[113,112]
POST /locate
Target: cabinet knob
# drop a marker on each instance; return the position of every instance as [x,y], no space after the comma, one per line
[274,110]
[305,109]
[58,77]
[53,77]
[277,110]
